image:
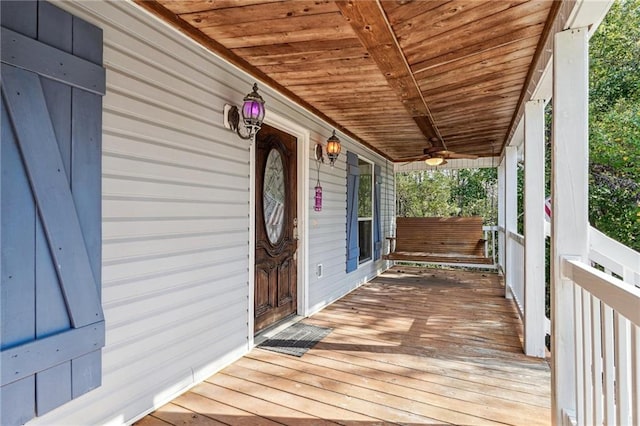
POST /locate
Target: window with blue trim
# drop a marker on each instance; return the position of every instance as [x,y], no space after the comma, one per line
[363,212]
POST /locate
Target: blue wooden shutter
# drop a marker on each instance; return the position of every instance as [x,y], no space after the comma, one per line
[50,226]
[353,180]
[377,220]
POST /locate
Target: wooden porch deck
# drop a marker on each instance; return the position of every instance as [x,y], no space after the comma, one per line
[414,346]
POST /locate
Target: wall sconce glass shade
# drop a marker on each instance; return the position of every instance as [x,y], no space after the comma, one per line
[434,161]
[253,108]
[333,148]
[252,115]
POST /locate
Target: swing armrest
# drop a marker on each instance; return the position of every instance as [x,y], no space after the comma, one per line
[392,244]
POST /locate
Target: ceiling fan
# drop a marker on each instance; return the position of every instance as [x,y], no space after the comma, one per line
[438,154]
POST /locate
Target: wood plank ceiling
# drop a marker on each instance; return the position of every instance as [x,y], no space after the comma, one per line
[398,75]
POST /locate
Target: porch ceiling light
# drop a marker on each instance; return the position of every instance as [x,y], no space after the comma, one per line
[434,161]
[252,115]
[333,148]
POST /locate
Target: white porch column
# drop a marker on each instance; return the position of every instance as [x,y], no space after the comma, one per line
[511,212]
[501,223]
[534,256]
[570,225]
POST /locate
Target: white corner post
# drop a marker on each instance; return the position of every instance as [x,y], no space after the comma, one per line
[570,225]
[534,256]
[501,224]
[510,214]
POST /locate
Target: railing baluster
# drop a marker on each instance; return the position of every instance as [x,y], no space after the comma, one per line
[623,392]
[635,374]
[587,346]
[608,360]
[596,356]
[486,243]
[493,246]
[579,353]
[629,276]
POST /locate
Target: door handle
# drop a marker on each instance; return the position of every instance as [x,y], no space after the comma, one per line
[295,229]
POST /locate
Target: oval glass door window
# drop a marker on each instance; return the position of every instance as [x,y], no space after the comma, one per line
[273,196]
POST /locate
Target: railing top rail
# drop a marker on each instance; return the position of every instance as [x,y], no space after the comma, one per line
[622,297]
[519,238]
[603,248]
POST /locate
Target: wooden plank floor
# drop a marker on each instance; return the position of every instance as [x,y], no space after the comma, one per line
[414,346]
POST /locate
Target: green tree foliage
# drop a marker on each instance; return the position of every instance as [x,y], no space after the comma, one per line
[424,193]
[614,124]
[466,192]
[615,57]
[475,193]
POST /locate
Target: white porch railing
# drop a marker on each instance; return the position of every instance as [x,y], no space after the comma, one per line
[502,244]
[614,258]
[607,333]
[490,242]
[515,266]
[516,283]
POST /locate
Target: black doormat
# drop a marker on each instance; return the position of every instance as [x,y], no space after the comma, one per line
[296,340]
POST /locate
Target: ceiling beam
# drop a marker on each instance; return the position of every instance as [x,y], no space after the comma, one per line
[370,23]
[164,14]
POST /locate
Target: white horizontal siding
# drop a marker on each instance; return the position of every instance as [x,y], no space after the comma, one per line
[176,213]
[328,229]
[388,208]
[175,219]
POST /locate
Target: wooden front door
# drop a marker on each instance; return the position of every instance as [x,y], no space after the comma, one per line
[276,234]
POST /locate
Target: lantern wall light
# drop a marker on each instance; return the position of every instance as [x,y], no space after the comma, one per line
[252,115]
[333,148]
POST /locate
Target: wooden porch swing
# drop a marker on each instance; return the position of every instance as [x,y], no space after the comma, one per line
[448,240]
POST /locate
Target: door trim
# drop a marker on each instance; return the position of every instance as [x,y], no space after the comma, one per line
[303,135]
